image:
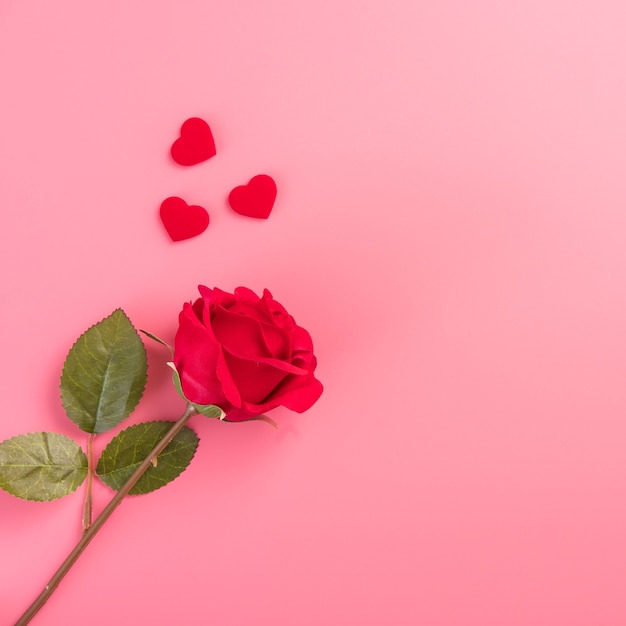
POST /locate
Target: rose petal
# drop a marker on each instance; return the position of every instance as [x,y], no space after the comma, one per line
[291,394]
[297,397]
[239,335]
[243,294]
[301,340]
[253,311]
[237,414]
[196,354]
[277,341]
[229,387]
[215,297]
[198,308]
[255,381]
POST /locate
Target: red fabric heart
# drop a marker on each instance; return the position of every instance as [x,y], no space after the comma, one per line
[195,144]
[255,199]
[181,220]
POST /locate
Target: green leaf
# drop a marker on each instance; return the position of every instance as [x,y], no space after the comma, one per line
[208,410]
[41,466]
[104,374]
[132,446]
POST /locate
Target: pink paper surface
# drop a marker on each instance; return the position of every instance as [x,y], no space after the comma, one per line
[450,227]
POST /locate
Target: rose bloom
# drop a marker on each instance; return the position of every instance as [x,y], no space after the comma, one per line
[244,354]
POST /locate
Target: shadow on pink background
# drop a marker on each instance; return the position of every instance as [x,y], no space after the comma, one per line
[450,228]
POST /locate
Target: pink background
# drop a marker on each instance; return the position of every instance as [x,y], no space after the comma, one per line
[450,228]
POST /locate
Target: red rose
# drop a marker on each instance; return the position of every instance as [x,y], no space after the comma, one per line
[244,354]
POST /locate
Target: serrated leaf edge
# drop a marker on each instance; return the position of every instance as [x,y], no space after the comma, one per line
[147,373]
[45,432]
[171,423]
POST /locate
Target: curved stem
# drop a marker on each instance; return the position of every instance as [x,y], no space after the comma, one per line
[90,532]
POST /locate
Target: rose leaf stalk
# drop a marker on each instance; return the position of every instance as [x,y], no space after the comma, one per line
[92,530]
[88,506]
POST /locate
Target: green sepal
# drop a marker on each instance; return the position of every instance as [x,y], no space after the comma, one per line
[158,340]
[266,419]
[131,447]
[104,374]
[258,418]
[176,380]
[208,410]
[41,466]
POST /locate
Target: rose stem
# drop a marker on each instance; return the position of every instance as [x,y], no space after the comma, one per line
[90,533]
[88,507]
